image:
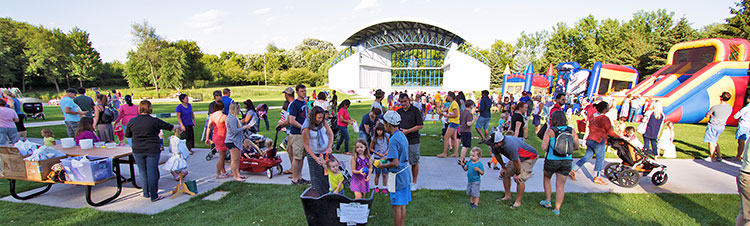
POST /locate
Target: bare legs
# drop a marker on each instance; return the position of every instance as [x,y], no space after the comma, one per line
[399,215]
[520,187]
[220,170]
[450,134]
[559,188]
[234,163]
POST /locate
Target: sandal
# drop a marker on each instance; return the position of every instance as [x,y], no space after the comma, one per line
[557,213]
[600,181]
[239,179]
[222,176]
[514,207]
[287,172]
[572,175]
[545,204]
[158,198]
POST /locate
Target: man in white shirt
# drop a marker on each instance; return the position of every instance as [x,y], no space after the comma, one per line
[743,128]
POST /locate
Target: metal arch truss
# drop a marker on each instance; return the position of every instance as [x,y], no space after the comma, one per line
[473,52]
[396,37]
[343,55]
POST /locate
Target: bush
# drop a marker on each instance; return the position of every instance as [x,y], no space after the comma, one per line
[298,75]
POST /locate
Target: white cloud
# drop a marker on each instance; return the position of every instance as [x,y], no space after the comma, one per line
[367,5]
[261,11]
[270,19]
[476,10]
[209,21]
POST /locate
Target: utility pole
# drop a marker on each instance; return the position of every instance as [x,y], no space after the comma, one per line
[265,78]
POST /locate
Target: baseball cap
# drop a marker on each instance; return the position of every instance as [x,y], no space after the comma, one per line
[496,137]
[71,90]
[288,90]
[392,117]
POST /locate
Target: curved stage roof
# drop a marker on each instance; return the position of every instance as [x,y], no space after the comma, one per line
[405,33]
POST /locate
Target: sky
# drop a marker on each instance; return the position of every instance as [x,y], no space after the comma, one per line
[248,26]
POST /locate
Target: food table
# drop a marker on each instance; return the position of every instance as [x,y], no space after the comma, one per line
[114,153]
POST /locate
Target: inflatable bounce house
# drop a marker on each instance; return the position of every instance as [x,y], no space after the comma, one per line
[601,79]
[527,81]
[696,74]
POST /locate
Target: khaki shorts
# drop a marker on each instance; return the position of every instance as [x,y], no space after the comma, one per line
[743,186]
[295,147]
[526,169]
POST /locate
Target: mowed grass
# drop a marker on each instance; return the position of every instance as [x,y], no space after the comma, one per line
[251,204]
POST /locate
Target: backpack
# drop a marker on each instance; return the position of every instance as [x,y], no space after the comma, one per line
[109,115]
[564,142]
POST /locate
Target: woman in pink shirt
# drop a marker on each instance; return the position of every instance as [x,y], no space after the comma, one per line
[127,112]
[343,122]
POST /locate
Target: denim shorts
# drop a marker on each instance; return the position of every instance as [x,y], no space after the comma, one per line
[483,123]
[712,133]
[453,125]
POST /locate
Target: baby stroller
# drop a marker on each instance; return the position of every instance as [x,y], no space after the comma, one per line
[634,163]
[213,152]
[34,110]
[262,158]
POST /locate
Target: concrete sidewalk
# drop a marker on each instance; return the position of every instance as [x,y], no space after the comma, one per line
[685,176]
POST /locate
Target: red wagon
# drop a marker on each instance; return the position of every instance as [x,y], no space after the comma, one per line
[263,161]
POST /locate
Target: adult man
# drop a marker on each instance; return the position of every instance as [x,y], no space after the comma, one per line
[718,116]
[297,115]
[84,102]
[743,187]
[483,122]
[522,159]
[411,123]
[284,122]
[227,101]
[217,97]
[71,112]
[397,158]
[559,103]
[367,125]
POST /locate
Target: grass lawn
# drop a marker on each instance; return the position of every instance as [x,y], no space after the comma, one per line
[249,204]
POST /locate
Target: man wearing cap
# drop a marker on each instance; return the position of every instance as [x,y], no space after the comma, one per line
[411,123]
[289,98]
[398,162]
[522,159]
[718,116]
[297,115]
[71,112]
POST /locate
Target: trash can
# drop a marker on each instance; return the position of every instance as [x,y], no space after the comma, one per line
[335,209]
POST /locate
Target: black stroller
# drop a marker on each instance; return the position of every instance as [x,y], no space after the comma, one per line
[634,163]
[34,110]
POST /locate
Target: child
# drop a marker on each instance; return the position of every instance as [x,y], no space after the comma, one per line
[120,134]
[631,137]
[86,130]
[335,178]
[247,148]
[666,139]
[465,121]
[361,164]
[177,164]
[474,170]
[379,148]
[49,137]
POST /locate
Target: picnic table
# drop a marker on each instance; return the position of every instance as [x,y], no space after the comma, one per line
[114,153]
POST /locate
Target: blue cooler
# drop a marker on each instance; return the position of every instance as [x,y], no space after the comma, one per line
[93,170]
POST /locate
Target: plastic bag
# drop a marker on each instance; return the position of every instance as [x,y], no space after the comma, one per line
[26,147]
[355,127]
[43,153]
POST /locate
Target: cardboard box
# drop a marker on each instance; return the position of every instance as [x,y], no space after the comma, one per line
[38,170]
[11,162]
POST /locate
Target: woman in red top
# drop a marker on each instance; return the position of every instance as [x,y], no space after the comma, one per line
[127,112]
[217,122]
[600,127]
[343,123]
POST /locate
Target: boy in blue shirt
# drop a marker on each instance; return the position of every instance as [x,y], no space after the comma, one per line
[398,163]
[474,170]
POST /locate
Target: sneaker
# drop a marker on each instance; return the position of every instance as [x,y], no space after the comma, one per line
[413,186]
[473,206]
[377,190]
[385,191]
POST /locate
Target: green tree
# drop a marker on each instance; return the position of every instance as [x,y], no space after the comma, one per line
[196,69]
[147,56]
[85,62]
[13,61]
[47,55]
[738,26]
[172,66]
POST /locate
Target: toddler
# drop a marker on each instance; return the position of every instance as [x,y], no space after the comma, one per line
[631,137]
[666,141]
[335,178]
[619,125]
[474,170]
[360,183]
[49,137]
[379,148]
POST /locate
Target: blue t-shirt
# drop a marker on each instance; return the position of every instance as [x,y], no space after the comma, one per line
[226,101]
[484,107]
[68,102]
[17,106]
[298,109]
[186,114]
[551,148]
[471,174]
[367,121]
[398,149]
[380,145]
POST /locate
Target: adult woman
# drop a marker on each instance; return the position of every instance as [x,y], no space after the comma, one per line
[102,123]
[127,112]
[13,103]
[343,123]
[653,121]
[144,130]
[316,137]
[234,137]
[517,121]
[8,118]
[217,124]
[600,126]
[554,164]
[251,118]
[450,133]
[187,121]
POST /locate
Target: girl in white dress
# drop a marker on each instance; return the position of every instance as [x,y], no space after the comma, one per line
[665,141]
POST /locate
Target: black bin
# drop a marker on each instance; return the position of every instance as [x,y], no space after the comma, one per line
[326,209]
